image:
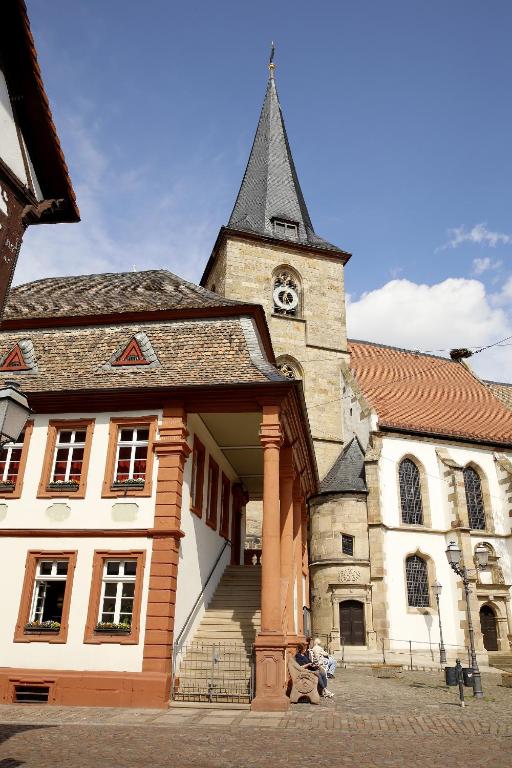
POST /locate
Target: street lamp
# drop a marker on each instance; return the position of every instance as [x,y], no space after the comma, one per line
[454,554]
[437,588]
[14,412]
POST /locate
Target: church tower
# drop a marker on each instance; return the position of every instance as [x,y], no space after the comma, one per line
[270,254]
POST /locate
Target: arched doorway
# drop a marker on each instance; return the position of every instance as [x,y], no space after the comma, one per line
[488,627]
[352,622]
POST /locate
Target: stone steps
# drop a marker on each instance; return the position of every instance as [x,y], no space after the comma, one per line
[216,665]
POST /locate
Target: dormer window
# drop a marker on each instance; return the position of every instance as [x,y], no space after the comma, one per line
[286,229]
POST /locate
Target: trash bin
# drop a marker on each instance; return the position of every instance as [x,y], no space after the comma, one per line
[467,676]
[450,675]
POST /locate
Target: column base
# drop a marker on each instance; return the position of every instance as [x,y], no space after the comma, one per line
[271,674]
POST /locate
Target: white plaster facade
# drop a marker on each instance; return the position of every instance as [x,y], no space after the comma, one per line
[199,548]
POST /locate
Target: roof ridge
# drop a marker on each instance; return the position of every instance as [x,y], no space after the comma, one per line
[416,352]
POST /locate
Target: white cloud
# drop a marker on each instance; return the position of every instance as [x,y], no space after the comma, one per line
[479,234]
[484,265]
[454,313]
[134,216]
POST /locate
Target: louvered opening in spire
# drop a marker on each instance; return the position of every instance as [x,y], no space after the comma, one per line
[270,201]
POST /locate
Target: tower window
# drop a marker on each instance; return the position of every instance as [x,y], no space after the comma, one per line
[285,229]
[347,544]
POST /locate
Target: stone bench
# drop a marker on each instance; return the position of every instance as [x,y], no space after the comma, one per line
[304,683]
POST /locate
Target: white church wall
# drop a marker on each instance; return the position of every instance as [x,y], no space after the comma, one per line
[420,624]
[74,653]
[201,545]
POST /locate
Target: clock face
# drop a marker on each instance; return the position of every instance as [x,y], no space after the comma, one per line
[285,297]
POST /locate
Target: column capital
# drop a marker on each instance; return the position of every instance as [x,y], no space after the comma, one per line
[173,433]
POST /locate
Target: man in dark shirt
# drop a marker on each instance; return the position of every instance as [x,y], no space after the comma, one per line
[303,659]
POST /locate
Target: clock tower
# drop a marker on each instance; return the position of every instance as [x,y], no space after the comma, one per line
[270,254]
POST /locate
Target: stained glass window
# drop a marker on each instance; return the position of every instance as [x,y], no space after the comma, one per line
[474,499]
[410,493]
[417,582]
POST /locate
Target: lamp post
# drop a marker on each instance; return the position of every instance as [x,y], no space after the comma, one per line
[14,412]
[437,588]
[454,554]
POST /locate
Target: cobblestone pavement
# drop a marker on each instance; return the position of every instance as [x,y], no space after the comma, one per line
[414,721]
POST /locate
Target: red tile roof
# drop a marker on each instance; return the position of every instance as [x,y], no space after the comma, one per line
[414,392]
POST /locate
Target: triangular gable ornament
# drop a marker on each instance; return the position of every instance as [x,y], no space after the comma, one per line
[131,355]
[14,361]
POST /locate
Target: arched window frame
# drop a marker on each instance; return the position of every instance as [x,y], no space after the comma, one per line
[425,498]
[493,566]
[486,498]
[295,276]
[291,362]
[431,577]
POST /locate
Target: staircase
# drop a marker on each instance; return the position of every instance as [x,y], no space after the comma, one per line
[501,660]
[216,665]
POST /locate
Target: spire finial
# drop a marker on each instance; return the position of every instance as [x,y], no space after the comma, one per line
[271,65]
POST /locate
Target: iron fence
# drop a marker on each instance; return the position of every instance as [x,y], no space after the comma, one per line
[213,672]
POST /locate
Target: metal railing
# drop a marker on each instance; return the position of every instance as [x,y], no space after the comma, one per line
[214,672]
[201,593]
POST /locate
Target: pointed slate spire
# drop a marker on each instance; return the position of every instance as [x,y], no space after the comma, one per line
[270,188]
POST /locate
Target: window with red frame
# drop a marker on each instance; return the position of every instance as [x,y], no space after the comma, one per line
[196,483]
[132,454]
[224,514]
[213,483]
[10,457]
[69,456]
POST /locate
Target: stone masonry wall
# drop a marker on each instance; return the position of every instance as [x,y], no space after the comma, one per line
[244,271]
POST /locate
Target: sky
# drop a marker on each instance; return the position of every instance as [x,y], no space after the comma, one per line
[399,117]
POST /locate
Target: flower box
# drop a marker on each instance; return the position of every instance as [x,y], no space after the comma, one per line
[387,670]
[7,487]
[113,629]
[127,485]
[45,627]
[63,485]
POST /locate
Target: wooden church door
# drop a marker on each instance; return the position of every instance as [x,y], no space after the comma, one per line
[352,622]
[488,627]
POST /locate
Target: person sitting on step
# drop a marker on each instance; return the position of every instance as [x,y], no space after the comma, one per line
[302,658]
[323,658]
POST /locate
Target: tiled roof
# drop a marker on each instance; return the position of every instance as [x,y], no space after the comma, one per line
[110,293]
[423,393]
[190,353]
[501,391]
[270,187]
[347,472]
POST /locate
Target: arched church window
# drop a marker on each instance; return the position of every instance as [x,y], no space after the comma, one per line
[410,493]
[474,499]
[286,293]
[416,571]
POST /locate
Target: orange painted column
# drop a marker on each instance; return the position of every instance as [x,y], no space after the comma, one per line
[286,478]
[172,450]
[270,645]
[298,500]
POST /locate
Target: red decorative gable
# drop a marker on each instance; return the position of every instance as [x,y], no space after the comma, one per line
[14,361]
[132,355]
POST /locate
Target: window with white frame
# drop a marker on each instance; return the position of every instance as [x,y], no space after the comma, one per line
[69,456]
[49,591]
[117,592]
[10,457]
[132,454]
